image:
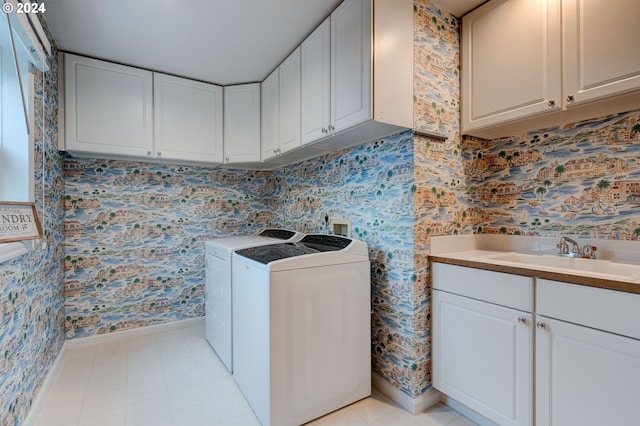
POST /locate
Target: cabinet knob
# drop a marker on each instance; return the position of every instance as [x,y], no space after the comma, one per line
[541,325]
[551,103]
[226,159]
[149,152]
[159,154]
[522,320]
[324,130]
[570,98]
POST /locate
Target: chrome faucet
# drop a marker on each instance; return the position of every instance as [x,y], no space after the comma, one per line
[588,251]
[563,247]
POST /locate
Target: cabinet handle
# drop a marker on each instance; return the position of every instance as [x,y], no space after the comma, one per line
[149,152]
[541,325]
[331,128]
[159,153]
[570,98]
[551,103]
[324,130]
[226,159]
[522,320]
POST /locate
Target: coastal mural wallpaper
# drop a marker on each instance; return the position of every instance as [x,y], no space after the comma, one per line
[134,238]
[125,240]
[580,179]
[31,299]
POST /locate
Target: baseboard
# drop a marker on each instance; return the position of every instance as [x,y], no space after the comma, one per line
[134,332]
[92,340]
[467,412]
[32,415]
[412,405]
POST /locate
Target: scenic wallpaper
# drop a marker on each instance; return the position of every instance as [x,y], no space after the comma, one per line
[125,240]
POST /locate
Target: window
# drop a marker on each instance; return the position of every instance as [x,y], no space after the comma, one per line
[20,53]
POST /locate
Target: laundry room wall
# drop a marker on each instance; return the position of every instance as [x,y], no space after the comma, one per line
[31,300]
[125,219]
[372,186]
[579,179]
[134,238]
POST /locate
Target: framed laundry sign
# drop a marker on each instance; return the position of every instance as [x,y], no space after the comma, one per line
[19,221]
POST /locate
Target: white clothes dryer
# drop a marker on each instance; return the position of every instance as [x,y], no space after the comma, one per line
[302,327]
[218,327]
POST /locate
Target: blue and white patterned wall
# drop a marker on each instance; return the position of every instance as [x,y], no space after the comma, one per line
[31,300]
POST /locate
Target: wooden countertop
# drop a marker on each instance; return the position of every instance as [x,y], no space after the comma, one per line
[470,260]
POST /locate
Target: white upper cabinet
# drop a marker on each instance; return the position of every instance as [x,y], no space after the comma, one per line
[242,123]
[116,111]
[522,60]
[188,120]
[108,108]
[315,58]
[281,108]
[270,102]
[600,45]
[350,64]
[357,74]
[290,102]
[511,61]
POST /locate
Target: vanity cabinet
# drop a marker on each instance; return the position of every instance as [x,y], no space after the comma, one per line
[587,355]
[522,59]
[483,341]
[108,108]
[585,368]
[242,123]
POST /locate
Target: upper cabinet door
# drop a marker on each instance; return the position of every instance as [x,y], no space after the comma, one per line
[511,63]
[601,52]
[188,119]
[108,108]
[315,57]
[242,123]
[350,64]
[270,101]
[290,102]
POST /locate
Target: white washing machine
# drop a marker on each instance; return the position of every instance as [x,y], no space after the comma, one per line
[302,327]
[218,273]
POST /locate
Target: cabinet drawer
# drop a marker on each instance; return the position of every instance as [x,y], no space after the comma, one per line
[614,311]
[514,291]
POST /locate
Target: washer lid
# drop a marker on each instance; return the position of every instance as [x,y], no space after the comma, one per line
[310,244]
[281,234]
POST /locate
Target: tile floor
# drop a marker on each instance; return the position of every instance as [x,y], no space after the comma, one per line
[175,378]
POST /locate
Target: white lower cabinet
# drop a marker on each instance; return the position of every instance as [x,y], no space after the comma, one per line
[482,352]
[585,377]
[587,356]
[586,340]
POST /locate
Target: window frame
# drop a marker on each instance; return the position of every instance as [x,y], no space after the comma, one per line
[28,36]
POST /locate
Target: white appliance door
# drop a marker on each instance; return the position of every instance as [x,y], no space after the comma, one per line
[218,308]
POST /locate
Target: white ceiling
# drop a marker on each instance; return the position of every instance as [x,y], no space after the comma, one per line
[219,41]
